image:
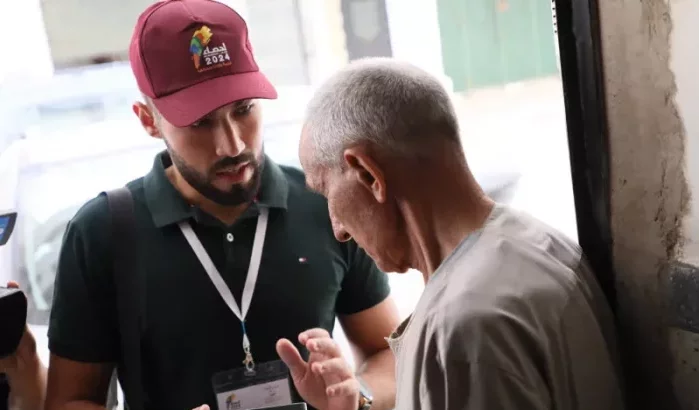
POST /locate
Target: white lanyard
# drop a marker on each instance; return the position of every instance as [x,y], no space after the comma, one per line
[220,285]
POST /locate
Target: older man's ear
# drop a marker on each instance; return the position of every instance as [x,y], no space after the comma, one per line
[366,171]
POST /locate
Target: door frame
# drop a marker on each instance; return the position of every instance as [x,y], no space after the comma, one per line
[580,51]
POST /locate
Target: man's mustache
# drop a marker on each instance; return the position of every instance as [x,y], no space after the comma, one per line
[228,162]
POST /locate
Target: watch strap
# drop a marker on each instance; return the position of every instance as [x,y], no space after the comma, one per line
[366,399]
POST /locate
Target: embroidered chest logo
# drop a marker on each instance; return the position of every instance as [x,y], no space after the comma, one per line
[206,56]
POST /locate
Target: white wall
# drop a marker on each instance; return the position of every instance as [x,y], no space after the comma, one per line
[29,54]
[79,30]
[684,63]
[10,162]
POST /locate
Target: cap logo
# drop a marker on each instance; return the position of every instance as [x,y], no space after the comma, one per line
[204,56]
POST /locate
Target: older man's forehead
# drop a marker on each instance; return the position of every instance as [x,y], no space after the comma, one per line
[306,162]
[307,154]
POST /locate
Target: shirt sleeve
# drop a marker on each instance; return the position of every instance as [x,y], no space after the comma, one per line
[82,323]
[480,386]
[364,285]
[474,361]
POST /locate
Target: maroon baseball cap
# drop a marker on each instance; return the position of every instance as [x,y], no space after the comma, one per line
[192,57]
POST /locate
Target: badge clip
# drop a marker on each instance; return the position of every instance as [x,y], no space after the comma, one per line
[249,362]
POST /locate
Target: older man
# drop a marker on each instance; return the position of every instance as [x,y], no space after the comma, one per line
[511,317]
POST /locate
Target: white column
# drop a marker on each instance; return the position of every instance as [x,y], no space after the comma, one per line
[415,36]
[324,37]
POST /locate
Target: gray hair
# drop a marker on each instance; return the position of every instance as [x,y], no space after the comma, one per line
[393,105]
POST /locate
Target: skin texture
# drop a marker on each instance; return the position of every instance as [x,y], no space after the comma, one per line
[405,213]
[228,137]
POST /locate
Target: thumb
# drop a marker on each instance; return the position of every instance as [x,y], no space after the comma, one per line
[204,407]
[291,356]
[12,284]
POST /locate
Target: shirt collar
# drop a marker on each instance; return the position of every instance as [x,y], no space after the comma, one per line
[168,206]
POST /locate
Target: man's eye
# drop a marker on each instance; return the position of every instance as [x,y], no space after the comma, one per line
[244,109]
[204,122]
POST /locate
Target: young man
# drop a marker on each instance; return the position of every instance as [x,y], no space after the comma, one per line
[510,318]
[235,252]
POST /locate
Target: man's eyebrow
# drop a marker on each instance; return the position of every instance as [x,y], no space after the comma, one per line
[311,186]
[242,102]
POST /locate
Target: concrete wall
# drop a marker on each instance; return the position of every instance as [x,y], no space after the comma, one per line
[649,55]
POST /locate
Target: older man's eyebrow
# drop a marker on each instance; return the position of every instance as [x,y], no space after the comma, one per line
[311,186]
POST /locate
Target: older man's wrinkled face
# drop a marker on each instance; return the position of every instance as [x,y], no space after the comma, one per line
[359,206]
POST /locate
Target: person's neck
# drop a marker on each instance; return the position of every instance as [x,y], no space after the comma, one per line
[226,214]
[442,215]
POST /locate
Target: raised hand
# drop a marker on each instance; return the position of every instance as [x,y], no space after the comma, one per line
[326,381]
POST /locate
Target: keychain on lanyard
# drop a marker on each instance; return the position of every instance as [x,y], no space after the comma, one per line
[219,283]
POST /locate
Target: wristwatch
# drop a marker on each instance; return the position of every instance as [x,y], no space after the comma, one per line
[365,397]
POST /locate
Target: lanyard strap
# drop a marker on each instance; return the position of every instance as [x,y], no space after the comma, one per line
[215,276]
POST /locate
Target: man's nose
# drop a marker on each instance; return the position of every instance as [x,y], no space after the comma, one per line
[340,233]
[228,140]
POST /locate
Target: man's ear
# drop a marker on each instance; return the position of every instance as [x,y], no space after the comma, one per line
[147,118]
[366,171]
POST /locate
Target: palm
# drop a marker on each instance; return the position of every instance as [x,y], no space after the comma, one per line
[312,387]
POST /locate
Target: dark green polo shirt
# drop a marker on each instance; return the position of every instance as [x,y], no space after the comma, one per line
[306,278]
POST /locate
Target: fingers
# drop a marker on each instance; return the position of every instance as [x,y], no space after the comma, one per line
[349,387]
[334,367]
[204,407]
[324,345]
[292,358]
[12,284]
[313,334]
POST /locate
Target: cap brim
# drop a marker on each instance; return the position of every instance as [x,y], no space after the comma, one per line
[185,107]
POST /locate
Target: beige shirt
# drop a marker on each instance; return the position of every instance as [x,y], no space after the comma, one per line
[512,319]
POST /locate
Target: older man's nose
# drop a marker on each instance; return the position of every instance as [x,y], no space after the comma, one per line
[340,233]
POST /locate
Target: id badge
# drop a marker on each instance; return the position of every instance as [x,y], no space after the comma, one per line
[241,389]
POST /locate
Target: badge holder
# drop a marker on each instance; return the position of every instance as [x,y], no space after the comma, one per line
[265,385]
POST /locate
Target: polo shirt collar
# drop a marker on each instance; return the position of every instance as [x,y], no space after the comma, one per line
[167,205]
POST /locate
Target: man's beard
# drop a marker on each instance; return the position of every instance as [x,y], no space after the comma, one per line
[238,194]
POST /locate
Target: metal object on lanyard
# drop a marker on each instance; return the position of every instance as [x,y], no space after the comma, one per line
[223,290]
